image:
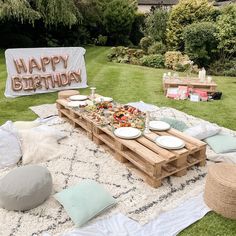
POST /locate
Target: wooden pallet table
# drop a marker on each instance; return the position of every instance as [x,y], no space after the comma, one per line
[151,162]
[191,83]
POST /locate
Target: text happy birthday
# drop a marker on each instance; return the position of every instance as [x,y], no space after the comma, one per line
[32,74]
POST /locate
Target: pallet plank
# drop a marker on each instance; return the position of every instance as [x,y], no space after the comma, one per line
[142,155]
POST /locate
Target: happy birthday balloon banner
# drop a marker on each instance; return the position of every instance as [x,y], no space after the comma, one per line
[43,70]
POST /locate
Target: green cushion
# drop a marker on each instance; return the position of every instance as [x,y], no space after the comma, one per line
[222,143]
[84,201]
[174,123]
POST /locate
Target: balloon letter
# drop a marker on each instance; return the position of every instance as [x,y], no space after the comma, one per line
[75,76]
[20,65]
[64,79]
[16,83]
[65,60]
[54,60]
[33,64]
[57,80]
[44,61]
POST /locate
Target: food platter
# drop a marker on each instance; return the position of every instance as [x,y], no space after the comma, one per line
[106,112]
[116,115]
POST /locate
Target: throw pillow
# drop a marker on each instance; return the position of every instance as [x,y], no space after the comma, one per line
[50,131]
[202,131]
[222,143]
[25,188]
[176,124]
[10,150]
[84,201]
[38,146]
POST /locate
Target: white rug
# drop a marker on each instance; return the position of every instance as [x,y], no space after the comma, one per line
[82,159]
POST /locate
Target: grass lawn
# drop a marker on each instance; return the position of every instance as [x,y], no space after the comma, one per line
[126,83]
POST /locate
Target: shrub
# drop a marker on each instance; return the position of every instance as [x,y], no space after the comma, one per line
[185,13]
[117,53]
[125,55]
[156,23]
[226,34]
[157,48]
[146,42]
[223,68]
[172,58]
[101,40]
[155,60]
[200,42]
[175,60]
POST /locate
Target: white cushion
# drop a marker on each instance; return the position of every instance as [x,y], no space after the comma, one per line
[203,130]
[50,131]
[38,146]
[10,150]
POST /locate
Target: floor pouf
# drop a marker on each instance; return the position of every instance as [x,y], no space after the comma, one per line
[25,188]
[220,189]
[67,93]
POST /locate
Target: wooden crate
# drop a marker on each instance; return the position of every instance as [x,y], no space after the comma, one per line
[151,162]
[193,83]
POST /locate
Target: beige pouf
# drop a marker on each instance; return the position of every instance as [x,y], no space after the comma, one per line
[67,93]
[220,189]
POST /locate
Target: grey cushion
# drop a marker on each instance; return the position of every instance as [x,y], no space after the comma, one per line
[25,188]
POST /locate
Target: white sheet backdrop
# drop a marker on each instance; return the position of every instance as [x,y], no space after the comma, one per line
[75,62]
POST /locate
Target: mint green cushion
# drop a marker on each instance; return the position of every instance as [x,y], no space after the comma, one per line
[222,143]
[84,201]
[174,123]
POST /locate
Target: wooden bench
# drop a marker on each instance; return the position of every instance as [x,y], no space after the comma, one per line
[151,162]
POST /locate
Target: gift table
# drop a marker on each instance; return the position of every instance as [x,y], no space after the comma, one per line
[142,155]
[193,83]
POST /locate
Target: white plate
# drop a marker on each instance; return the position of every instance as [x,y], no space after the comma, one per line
[127,133]
[158,125]
[78,97]
[170,142]
[103,99]
[76,103]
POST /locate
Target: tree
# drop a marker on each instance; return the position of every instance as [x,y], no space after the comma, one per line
[92,12]
[200,42]
[185,13]
[51,12]
[56,12]
[20,10]
[226,26]
[156,24]
[119,16]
